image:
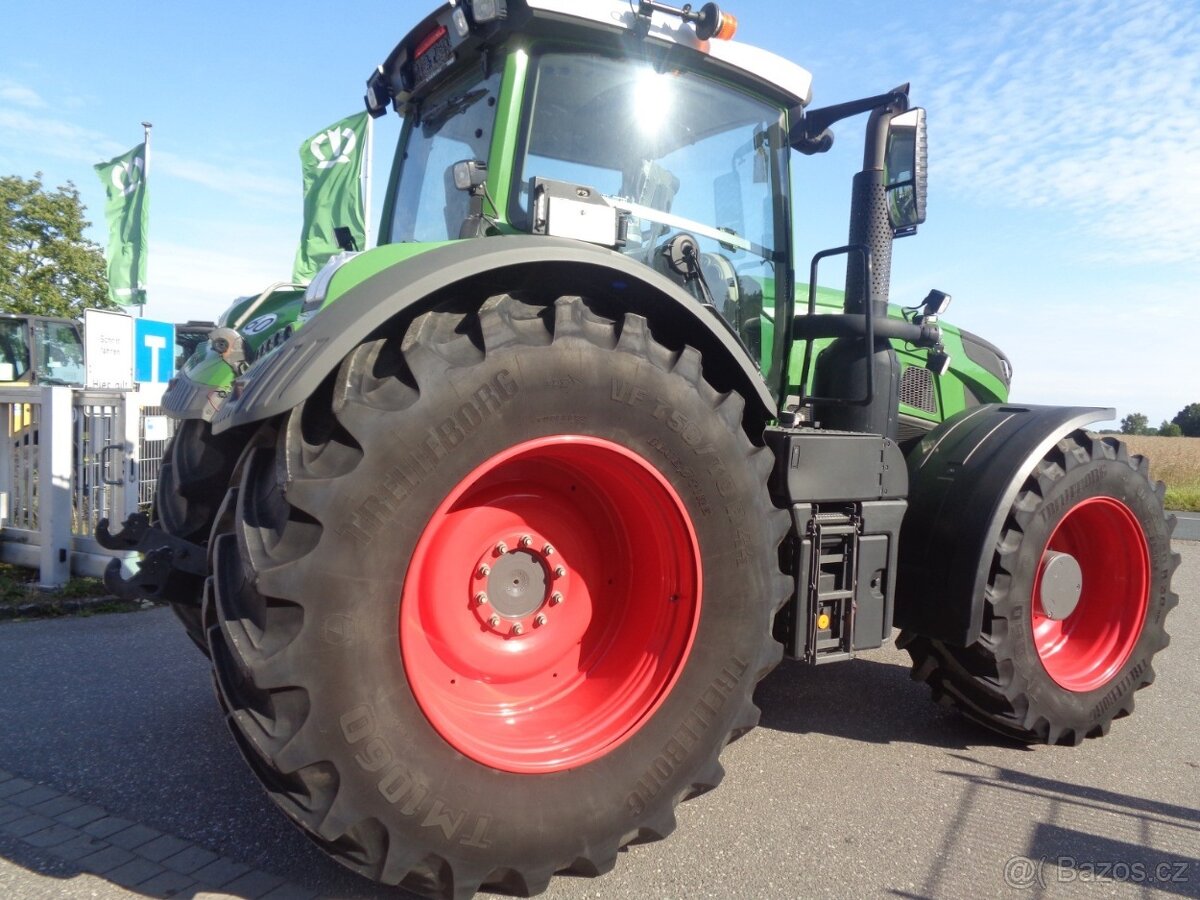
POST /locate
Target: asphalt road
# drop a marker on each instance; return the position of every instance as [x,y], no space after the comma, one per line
[855,785]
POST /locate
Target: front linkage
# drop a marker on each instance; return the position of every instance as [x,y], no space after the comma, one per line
[164,554]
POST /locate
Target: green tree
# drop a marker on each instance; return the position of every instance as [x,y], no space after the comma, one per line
[1135,423]
[1169,429]
[1188,420]
[47,266]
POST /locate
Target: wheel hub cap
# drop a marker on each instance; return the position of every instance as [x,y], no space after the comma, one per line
[1061,584]
[517,584]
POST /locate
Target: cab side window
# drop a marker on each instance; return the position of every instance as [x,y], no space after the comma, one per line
[14,350]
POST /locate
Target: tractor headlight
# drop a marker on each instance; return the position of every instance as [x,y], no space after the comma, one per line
[935,303]
[469,174]
[483,11]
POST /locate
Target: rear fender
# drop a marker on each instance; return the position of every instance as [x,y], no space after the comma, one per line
[541,267]
[963,478]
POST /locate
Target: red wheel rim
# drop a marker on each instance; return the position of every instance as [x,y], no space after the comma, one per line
[1087,649]
[590,574]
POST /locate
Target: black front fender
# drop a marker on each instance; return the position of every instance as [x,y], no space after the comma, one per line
[541,266]
[963,478]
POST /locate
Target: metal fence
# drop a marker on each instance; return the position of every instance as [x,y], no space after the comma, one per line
[150,452]
[97,440]
[72,457]
[19,464]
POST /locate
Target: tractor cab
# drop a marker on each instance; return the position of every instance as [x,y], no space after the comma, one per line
[637,136]
[644,129]
[40,350]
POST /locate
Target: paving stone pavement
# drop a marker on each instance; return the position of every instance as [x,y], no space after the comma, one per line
[125,853]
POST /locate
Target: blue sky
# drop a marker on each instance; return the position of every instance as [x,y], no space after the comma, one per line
[1064,207]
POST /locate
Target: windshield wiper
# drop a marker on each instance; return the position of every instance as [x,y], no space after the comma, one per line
[437,116]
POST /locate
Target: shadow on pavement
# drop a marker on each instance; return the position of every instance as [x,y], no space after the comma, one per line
[1081,835]
[865,700]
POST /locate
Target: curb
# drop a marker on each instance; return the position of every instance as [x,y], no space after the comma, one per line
[1187,525]
[55,607]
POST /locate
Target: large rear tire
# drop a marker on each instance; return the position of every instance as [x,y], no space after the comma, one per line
[496,597]
[1075,607]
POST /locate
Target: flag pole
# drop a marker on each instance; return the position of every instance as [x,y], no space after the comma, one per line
[368,162]
[146,126]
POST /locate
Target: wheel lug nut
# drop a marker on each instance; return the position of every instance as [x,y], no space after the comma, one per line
[481,598]
[539,621]
[517,629]
[501,548]
[548,550]
[494,621]
[556,598]
[485,570]
[559,571]
[526,541]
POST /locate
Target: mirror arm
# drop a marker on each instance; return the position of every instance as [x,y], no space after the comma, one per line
[812,124]
[875,149]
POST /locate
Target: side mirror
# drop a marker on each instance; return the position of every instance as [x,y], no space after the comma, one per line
[906,171]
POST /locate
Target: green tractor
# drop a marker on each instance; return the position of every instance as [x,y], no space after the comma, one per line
[492,531]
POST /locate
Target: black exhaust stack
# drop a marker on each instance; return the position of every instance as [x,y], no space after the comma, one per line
[842,369]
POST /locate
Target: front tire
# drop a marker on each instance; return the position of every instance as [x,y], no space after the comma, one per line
[427,737]
[1075,607]
[192,481]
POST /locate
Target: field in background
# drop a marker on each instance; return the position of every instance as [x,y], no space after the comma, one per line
[1176,461]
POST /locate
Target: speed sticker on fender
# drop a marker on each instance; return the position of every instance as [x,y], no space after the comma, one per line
[261,324]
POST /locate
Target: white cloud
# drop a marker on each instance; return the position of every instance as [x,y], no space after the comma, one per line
[230,177]
[1137,356]
[63,139]
[53,137]
[199,282]
[1087,108]
[11,92]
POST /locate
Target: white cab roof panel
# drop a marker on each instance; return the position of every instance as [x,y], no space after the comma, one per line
[791,79]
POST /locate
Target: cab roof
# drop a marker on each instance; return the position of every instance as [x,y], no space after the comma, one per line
[452,35]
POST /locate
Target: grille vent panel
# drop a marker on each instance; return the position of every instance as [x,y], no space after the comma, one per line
[917,389]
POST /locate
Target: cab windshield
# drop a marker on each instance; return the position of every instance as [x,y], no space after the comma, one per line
[60,353]
[454,124]
[679,154]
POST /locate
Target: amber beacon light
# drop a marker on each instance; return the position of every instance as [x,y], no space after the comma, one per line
[709,20]
[714,23]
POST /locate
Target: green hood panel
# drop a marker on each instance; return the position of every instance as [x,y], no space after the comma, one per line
[277,313]
[206,367]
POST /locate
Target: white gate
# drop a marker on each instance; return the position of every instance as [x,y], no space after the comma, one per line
[70,458]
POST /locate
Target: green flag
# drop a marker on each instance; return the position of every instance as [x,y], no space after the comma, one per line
[331,161]
[127,210]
